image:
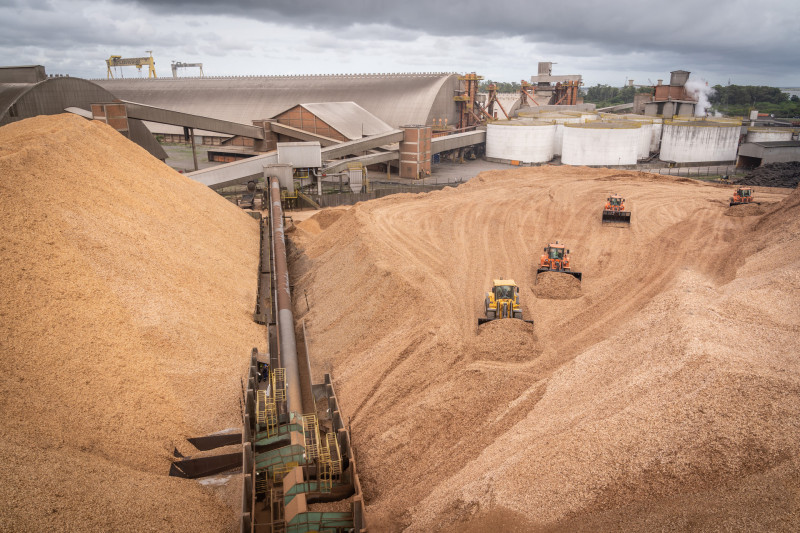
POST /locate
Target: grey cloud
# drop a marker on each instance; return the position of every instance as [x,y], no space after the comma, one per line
[583,36]
[724,28]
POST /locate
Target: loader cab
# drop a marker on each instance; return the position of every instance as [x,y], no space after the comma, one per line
[744,192]
[505,292]
[615,201]
[554,252]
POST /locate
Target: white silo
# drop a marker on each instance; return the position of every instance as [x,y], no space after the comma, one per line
[655,140]
[559,119]
[699,141]
[757,134]
[645,138]
[645,131]
[601,143]
[526,141]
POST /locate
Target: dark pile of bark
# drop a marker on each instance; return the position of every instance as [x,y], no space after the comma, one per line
[774,175]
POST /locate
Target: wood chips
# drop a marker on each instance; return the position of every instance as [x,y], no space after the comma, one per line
[125,326]
[666,395]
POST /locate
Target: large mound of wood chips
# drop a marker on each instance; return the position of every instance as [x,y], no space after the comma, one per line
[125,326]
[664,396]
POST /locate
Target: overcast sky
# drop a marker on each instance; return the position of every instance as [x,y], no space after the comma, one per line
[744,42]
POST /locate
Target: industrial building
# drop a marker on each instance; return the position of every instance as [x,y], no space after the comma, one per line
[399,120]
[671,100]
[756,154]
[27,91]
[396,99]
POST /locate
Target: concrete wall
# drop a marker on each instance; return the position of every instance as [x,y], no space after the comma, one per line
[755,135]
[780,155]
[695,142]
[645,139]
[525,143]
[600,146]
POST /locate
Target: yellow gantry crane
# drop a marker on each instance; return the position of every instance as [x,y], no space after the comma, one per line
[138,62]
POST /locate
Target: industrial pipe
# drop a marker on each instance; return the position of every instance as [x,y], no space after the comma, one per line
[285,319]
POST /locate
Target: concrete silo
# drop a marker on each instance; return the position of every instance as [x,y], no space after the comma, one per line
[756,134]
[601,143]
[699,141]
[527,141]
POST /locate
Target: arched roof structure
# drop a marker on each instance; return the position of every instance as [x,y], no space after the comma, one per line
[51,96]
[397,99]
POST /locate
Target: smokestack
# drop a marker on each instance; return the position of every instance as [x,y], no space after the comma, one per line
[660,82]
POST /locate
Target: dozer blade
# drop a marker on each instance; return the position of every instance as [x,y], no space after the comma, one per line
[617,216]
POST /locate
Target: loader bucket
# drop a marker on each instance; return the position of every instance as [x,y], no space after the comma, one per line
[570,272]
[617,216]
[574,274]
[482,321]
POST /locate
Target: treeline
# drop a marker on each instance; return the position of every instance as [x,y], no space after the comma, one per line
[738,100]
[735,100]
[606,95]
[502,86]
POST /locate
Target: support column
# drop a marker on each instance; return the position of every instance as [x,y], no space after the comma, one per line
[189,134]
[115,115]
[270,141]
[415,152]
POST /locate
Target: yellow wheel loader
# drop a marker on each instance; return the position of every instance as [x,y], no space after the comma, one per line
[502,302]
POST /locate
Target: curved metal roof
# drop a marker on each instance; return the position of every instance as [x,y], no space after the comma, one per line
[54,95]
[397,99]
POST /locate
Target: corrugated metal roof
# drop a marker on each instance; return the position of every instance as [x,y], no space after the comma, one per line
[397,99]
[348,118]
[778,144]
[9,93]
[53,95]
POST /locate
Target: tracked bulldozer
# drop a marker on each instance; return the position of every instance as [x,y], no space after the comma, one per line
[743,195]
[502,302]
[556,259]
[614,211]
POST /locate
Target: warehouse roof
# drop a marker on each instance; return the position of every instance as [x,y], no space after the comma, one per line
[777,144]
[348,118]
[52,96]
[397,99]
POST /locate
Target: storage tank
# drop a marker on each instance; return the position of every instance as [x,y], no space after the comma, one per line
[559,119]
[699,141]
[655,140]
[601,143]
[756,134]
[655,133]
[527,141]
[645,133]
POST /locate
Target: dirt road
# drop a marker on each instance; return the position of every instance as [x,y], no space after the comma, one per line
[667,376]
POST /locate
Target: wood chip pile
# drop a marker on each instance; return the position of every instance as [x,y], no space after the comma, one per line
[665,395]
[125,325]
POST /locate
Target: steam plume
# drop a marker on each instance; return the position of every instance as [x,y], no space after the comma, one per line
[700,91]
